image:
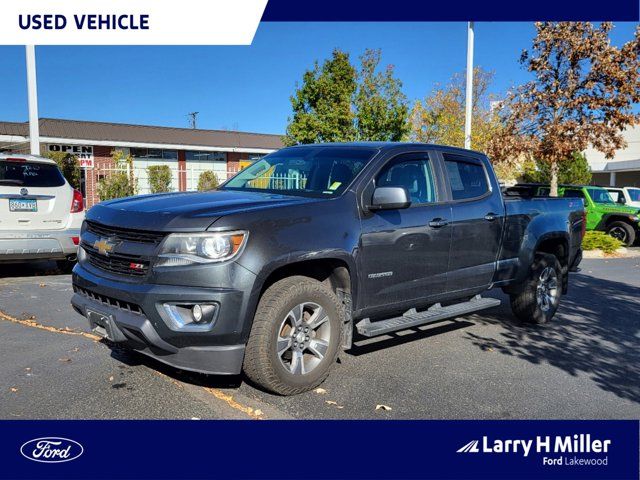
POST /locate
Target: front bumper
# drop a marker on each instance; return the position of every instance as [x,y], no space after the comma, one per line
[37,244]
[131,315]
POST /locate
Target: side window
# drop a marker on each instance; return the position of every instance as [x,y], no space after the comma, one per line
[617,195]
[414,173]
[573,194]
[467,178]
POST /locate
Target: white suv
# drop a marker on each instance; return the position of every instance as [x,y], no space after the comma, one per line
[626,195]
[40,213]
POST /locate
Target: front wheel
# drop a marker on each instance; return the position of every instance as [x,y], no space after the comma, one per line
[539,297]
[295,337]
[623,232]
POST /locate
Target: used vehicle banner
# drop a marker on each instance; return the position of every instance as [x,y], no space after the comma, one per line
[352,449]
[195,22]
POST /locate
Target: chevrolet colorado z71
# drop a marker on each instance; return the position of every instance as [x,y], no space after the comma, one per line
[271,273]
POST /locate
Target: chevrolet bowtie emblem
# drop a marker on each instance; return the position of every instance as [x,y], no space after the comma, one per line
[104,246]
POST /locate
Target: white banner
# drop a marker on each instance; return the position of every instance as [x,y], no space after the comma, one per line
[129,22]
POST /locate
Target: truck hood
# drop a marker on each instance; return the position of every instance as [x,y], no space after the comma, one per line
[185,211]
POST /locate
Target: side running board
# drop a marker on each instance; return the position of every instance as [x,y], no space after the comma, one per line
[412,318]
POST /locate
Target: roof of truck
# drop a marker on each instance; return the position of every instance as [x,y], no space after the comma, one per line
[387,146]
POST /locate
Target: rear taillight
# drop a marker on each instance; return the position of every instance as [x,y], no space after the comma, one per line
[77,204]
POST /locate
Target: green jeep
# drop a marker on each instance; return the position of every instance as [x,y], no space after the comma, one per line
[603,213]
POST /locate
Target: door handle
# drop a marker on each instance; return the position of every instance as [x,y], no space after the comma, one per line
[438,223]
[490,217]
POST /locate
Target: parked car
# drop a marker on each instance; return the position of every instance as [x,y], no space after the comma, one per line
[40,213]
[629,196]
[272,272]
[603,214]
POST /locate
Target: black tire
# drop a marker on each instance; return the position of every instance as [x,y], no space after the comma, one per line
[623,232]
[526,304]
[65,266]
[262,363]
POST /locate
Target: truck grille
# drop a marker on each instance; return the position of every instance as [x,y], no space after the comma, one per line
[139,236]
[117,263]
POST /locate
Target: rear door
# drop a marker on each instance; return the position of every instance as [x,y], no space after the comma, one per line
[477,218]
[405,252]
[33,195]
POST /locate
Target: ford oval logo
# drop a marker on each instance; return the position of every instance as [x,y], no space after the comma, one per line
[51,450]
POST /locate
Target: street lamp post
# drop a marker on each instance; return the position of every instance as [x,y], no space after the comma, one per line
[469,88]
[32,94]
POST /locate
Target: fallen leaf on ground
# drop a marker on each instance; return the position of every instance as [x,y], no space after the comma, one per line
[111,379]
[64,360]
[320,390]
[14,389]
[27,369]
[383,407]
[43,285]
[258,412]
[335,404]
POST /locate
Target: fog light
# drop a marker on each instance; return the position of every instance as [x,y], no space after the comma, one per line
[185,317]
[196,311]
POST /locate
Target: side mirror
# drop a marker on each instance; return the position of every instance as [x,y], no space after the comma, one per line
[390,198]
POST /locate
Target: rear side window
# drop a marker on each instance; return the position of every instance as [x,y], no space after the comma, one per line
[30,174]
[467,178]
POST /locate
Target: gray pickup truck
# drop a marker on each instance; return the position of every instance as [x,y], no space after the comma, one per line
[271,273]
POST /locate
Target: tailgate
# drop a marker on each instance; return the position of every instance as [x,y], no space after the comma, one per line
[33,196]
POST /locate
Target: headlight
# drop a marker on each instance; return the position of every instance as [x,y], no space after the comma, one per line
[210,247]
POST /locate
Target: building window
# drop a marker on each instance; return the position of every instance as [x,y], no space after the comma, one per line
[154,153]
[194,155]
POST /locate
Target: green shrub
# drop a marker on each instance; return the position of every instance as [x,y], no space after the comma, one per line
[118,184]
[159,178]
[602,241]
[68,165]
[208,181]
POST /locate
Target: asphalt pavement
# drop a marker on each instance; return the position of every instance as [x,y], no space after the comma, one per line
[583,365]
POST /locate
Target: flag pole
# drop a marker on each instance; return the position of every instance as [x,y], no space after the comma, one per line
[469,88]
[32,94]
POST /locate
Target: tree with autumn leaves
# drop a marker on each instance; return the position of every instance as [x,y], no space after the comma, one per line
[582,94]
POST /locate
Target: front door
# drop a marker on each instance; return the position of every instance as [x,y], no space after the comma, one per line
[477,215]
[403,257]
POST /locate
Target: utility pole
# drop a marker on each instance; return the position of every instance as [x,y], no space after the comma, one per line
[469,90]
[192,119]
[32,95]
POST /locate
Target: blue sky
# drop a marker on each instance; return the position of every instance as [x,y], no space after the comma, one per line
[248,88]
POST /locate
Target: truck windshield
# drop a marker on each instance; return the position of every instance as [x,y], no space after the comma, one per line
[313,171]
[634,194]
[600,195]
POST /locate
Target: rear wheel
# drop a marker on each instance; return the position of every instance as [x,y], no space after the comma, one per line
[295,337]
[539,298]
[623,232]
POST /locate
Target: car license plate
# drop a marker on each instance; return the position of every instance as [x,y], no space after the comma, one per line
[23,205]
[100,324]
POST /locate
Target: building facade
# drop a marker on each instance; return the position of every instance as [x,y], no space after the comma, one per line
[187,152]
[623,170]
